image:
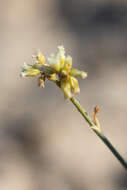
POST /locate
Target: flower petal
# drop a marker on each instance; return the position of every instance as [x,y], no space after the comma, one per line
[30,72]
[67,64]
[57,61]
[78,73]
[39,57]
[66,88]
[74,85]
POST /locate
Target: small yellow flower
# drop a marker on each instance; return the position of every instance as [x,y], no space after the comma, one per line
[74,85]
[63,66]
[29,71]
[69,86]
[39,57]
[57,61]
[77,73]
[58,70]
[67,66]
[66,88]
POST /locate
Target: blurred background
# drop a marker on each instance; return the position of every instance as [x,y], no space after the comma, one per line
[44,142]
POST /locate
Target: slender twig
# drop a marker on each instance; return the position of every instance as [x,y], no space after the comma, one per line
[98,132]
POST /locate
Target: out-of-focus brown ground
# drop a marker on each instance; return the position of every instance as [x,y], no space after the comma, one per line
[44,142]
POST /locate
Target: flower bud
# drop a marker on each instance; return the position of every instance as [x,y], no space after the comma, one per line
[68,64]
[66,88]
[83,74]
[78,73]
[40,58]
[74,85]
[29,71]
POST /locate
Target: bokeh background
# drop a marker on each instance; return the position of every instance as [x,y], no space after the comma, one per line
[44,142]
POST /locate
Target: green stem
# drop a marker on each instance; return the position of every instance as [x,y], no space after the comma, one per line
[98,132]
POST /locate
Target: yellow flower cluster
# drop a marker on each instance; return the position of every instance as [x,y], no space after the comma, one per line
[59,70]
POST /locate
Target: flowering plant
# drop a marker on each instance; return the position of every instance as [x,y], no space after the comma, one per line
[58,69]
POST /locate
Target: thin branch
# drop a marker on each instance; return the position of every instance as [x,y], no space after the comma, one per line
[99,132]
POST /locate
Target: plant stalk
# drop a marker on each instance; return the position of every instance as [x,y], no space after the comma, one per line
[98,132]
